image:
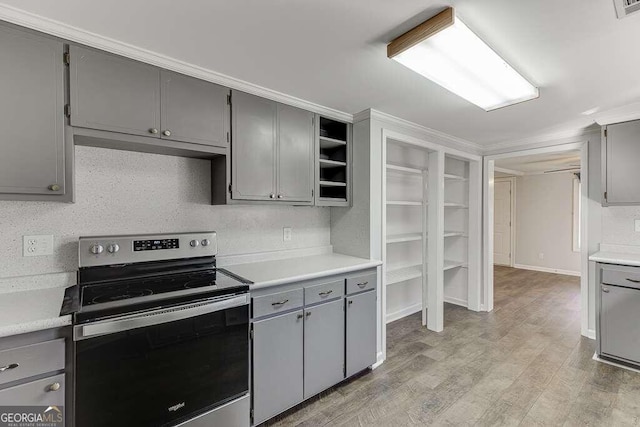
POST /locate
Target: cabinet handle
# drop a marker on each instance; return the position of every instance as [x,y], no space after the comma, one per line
[283,302]
[308,313]
[279,196]
[54,187]
[9,367]
[54,387]
[605,290]
[167,132]
[153,131]
[634,280]
[299,316]
[273,196]
[363,284]
[324,294]
[350,302]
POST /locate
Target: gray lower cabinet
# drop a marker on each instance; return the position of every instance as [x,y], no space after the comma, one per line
[620,173]
[112,93]
[32,146]
[277,364]
[323,347]
[619,333]
[295,154]
[48,391]
[361,331]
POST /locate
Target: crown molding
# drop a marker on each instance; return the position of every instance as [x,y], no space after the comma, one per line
[78,35]
[564,137]
[618,115]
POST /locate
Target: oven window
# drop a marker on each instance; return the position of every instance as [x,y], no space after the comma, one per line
[162,374]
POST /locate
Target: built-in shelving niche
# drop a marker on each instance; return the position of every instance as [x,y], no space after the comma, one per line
[333,157]
[406,218]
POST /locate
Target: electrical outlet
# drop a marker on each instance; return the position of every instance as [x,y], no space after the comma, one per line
[286,234]
[637,225]
[37,245]
[541,255]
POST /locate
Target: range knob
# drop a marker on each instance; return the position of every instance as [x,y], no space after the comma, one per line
[205,242]
[194,243]
[113,248]
[96,249]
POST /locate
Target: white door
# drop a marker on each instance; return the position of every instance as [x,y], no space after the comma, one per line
[502,223]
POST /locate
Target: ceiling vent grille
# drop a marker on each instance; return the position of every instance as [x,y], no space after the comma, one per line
[625,8]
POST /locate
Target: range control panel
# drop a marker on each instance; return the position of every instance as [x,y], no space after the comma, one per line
[110,250]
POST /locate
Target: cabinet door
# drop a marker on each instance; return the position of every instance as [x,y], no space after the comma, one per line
[277,365]
[295,154]
[622,166]
[31,114]
[112,93]
[194,110]
[361,332]
[619,318]
[45,392]
[323,347]
[253,148]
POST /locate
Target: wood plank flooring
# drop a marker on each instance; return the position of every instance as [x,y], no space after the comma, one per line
[523,364]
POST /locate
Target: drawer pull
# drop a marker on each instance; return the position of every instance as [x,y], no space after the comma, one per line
[350,302]
[605,290]
[363,284]
[279,303]
[9,367]
[308,313]
[299,316]
[54,387]
[633,280]
[324,294]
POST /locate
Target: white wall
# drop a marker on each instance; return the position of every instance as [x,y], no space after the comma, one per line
[544,222]
[120,192]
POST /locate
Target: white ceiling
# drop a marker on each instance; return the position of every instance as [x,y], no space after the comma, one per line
[333,52]
[541,163]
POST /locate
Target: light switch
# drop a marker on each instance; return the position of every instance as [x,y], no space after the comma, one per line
[286,234]
[39,245]
[637,224]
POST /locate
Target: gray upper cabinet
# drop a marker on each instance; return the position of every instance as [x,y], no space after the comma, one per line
[323,347]
[621,174]
[295,154]
[112,93]
[194,110]
[361,331]
[31,114]
[253,150]
[277,365]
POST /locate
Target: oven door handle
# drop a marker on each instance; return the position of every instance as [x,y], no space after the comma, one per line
[156,317]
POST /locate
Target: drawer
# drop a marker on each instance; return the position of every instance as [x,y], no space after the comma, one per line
[45,392]
[277,303]
[323,292]
[361,283]
[621,276]
[35,359]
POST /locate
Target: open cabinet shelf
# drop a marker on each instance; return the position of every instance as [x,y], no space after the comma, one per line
[400,238]
[333,162]
[404,169]
[404,274]
[404,203]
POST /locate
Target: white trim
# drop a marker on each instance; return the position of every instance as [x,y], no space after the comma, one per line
[407,311]
[508,171]
[591,334]
[379,360]
[542,141]
[78,35]
[547,270]
[512,201]
[618,115]
[456,301]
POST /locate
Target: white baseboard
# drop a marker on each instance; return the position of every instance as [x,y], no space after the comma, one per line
[456,301]
[547,270]
[407,311]
[379,360]
[591,333]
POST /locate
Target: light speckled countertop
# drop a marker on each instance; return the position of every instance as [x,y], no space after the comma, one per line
[279,272]
[616,258]
[31,310]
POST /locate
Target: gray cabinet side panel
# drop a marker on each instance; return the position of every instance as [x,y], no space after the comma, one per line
[31,114]
[277,365]
[361,332]
[253,147]
[620,334]
[113,93]
[295,154]
[194,110]
[323,347]
[623,173]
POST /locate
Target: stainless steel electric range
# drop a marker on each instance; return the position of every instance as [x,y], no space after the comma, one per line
[161,335]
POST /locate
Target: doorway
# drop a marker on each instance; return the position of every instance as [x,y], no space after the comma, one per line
[503,221]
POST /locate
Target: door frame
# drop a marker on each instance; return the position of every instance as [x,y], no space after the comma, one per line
[512,196]
[488,214]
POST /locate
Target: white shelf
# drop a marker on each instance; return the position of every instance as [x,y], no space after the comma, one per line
[403,203]
[326,142]
[404,273]
[455,205]
[325,163]
[453,177]
[399,238]
[455,234]
[404,169]
[333,184]
[449,265]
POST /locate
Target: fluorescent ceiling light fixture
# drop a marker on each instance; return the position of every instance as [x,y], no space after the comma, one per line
[444,50]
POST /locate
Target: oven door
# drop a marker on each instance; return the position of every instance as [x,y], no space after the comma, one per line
[162,367]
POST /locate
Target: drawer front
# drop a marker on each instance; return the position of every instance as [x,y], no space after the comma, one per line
[45,392]
[361,283]
[277,303]
[24,362]
[323,292]
[621,276]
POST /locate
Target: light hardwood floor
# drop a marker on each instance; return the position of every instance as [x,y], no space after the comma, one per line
[523,364]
